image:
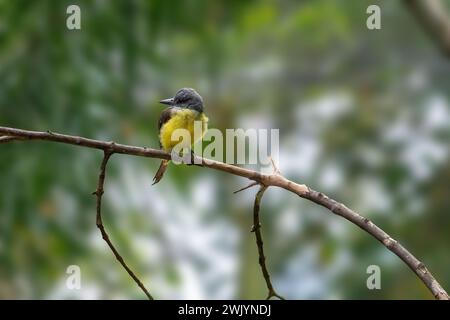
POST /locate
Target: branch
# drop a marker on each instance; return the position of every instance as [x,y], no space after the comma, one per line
[265,179]
[393,245]
[5,139]
[433,16]
[254,183]
[99,193]
[259,243]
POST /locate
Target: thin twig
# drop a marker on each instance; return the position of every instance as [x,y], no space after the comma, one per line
[247,187]
[266,179]
[99,193]
[260,244]
[274,166]
[5,139]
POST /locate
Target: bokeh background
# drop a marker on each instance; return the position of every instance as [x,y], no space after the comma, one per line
[364,116]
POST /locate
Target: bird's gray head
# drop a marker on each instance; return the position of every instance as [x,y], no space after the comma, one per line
[186,98]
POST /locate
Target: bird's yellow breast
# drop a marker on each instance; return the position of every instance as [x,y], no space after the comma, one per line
[183,119]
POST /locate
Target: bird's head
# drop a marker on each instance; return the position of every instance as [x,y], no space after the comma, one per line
[186,98]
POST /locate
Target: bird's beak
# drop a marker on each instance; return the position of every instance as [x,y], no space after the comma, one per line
[167,101]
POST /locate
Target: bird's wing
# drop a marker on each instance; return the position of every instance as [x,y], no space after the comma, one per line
[165,116]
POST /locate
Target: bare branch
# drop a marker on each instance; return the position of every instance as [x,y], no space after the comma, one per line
[434,17]
[265,179]
[99,193]
[260,244]
[246,187]
[5,139]
[393,245]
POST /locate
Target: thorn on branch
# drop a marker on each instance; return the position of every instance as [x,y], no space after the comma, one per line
[274,166]
[112,144]
[253,229]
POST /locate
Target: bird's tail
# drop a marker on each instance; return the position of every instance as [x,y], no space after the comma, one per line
[159,174]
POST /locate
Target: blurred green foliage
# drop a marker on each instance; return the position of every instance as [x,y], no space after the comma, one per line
[363,115]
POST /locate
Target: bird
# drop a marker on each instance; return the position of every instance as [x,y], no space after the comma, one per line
[183,110]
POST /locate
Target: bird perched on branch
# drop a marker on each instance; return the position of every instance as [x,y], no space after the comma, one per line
[184,111]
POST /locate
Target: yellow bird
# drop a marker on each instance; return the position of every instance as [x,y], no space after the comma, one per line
[185,108]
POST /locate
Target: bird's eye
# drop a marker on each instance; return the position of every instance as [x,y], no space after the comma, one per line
[183,99]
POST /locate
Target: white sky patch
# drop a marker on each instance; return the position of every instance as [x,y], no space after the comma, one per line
[423,155]
[417,79]
[373,196]
[299,156]
[95,240]
[331,177]
[372,156]
[149,247]
[301,151]
[289,222]
[304,280]
[438,114]
[191,279]
[398,132]
[255,121]
[386,258]
[420,151]
[203,192]
[301,269]
[67,207]
[263,69]
[338,228]
[316,114]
